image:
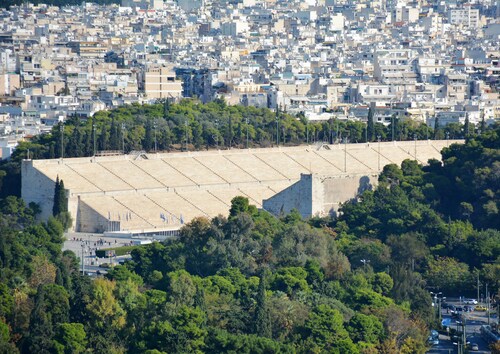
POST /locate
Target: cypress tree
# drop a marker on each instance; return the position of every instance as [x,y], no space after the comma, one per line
[113,136]
[63,201]
[370,126]
[166,108]
[56,208]
[60,201]
[103,139]
[119,135]
[56,132]
[74,145]
[436,127]
[262,317]
[466,126]
[59,279]
[148,136]
[52,153]
[482,126]
[87,143]
[230,133]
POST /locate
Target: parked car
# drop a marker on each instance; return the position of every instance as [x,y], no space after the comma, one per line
[470,301]
[457,312]
[474,347]
[480,308]
[433,341]
[468,308]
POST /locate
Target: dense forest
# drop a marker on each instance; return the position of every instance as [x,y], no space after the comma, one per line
[254,283]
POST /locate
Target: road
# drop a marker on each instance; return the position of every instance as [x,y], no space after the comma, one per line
[89,243]
[473,321]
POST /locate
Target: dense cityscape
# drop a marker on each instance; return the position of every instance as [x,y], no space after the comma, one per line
[416,60]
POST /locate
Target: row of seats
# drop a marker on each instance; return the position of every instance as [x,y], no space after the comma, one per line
[160,209]
[229,168]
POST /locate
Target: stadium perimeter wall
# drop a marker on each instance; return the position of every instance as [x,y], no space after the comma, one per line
[316,195]
[89,177]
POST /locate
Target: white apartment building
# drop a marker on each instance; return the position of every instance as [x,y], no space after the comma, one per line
[457,87]
[429,68]
[465,16]
[9,83]
[376,93]
[160,82]
[405,14]
[394,66]
[433,24]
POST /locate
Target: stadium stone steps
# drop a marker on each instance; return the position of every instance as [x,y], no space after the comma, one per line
[225,169]
[194,170]
[72,179]
[101,177]
[132,174]
[205,201]
[282,163]
[112,210]
[255,167]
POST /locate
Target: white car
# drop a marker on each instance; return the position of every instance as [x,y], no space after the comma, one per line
[470,301]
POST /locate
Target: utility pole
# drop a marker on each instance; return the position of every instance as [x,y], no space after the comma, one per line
[464,334]
[365,262]
[378,137]
[83,258]
[478,287]
[415,138]
[246,121]
[154,127]
[123,137]
[186,123]
[61,127]
[277,131]
[217,134]
[392,126]
[95,142]
[488,303]
[345,154]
